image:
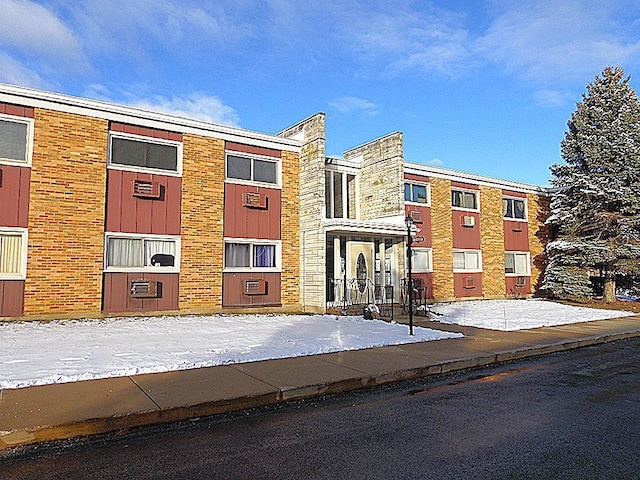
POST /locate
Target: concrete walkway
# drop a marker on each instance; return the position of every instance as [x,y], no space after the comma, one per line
[49,412]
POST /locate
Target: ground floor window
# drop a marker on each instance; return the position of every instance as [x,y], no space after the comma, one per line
[13,254]
[516,263]
[135,253]
[421,261]
[467,261]
[249,255]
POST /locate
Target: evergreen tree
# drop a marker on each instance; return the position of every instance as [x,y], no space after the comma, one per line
[595,208]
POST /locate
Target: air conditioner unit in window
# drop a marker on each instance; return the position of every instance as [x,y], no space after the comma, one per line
[255,287]
[468,221]
[255,200]
[415,215]
[521,282]
[144,189]
[144,289]
[469,282]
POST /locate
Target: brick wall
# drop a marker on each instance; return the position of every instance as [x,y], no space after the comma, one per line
[442,238]
[66,218]
[290,225]
[202,223]
[492,241]
[538,207]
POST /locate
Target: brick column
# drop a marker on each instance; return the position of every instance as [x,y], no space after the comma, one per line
[442,239]
[492,242]
[66,215]
[202,223]
[290,228]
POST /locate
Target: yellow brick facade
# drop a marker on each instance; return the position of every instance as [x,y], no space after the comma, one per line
[492,242]
[290,233]
[538,207]
[66,215]
[202,223]
[442,238]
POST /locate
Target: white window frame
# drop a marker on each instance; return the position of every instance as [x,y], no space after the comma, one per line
[142,237]
[252,242]
[29,122]
[414,264]
[252,157]
[527,273]
[23,233]
[427,186]
[526,209]
[142,138]
[466,253]
[476,193]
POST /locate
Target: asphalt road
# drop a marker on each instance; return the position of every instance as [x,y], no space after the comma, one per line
[574,415]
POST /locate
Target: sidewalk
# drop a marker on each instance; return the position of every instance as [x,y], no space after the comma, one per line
[50,412]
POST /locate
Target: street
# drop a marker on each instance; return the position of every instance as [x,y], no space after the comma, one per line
[569,415]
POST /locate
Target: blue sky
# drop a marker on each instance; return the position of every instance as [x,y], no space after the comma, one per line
[483,86]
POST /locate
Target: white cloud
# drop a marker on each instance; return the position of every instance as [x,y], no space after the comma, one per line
[547,41]
[195,106]
[552,98]
[436,162]
[354,104]
[16,73]
[38,34]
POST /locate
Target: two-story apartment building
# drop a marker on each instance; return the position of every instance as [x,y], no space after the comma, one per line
[106,209]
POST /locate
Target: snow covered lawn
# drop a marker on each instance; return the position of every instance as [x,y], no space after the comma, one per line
[509,315]
[34,353]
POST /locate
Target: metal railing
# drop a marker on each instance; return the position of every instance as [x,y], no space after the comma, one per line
[356,293]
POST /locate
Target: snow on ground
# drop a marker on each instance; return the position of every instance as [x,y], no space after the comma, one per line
[34,353]
[509,315]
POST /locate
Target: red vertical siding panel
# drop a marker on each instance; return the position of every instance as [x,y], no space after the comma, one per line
[423,224]
[23,201]
[114,200]
[169,204]
[117,293]
[11,298]
[460,285]
[143,208]
[14,196]
[513,290]
[465,237]
[516,236]
[233,290]
[241,221]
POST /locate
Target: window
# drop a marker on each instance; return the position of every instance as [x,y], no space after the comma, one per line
[13,254]
[340,195]
[252,169]
[416,193]
[15,140]
[516,263]
[464,199]
[514,208]
[145,153]
[421,261]
[250,255]
[467,261]
[134,253]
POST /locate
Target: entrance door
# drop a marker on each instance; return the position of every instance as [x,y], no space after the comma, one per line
[360,270]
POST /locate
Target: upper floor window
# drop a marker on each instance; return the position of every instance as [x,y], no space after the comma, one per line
[467,261]
[142,253]
[145,153]
[15,139]
[417,193]
[517,263]
[252,169]
[13,254]
[340,195]
[514,208]
[467,199]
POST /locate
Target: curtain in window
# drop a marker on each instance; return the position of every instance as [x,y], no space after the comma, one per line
[236,255]
[125,252]
[518,207]
[10,253]
[264,256]
[521,264]
[166,248]
[506,208]
[14,140]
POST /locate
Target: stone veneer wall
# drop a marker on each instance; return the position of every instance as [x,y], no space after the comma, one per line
[66,215]
[381,177]
[492,242]
[442,238]
[202,223]
[311,210]
[538,211]
[290,227]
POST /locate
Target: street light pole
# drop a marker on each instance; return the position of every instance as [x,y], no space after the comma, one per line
[409,223]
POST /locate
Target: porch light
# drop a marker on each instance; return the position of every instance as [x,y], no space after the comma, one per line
[409,224]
